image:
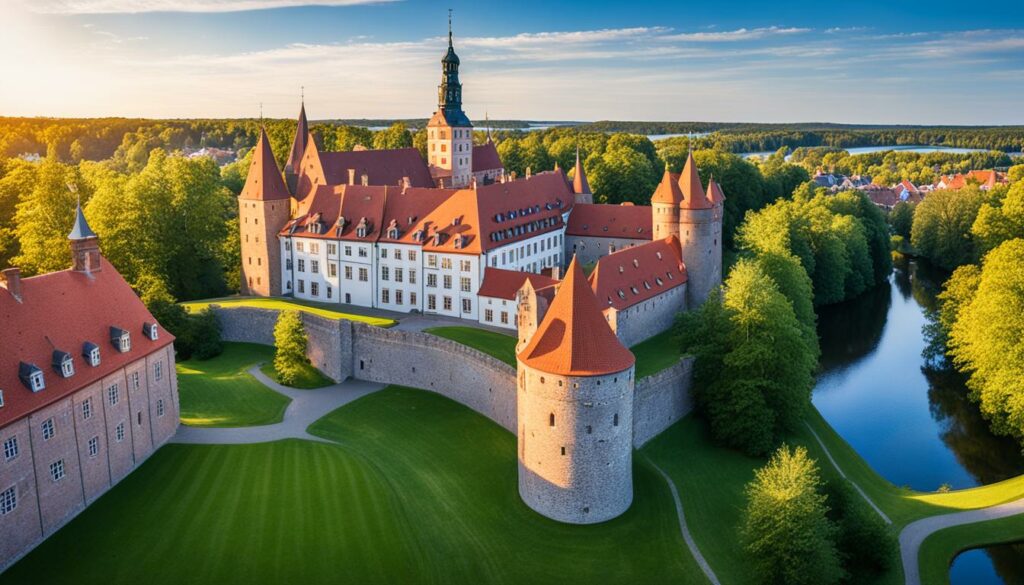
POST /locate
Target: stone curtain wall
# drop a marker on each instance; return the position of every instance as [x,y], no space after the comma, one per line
[421,360]
[341,349]
[660,400]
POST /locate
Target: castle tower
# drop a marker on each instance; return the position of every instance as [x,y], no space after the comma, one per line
[580,186]
[575,411]
[292,167]
[85,245]
[263,209]
[665,207]
[700,231]
[449,131]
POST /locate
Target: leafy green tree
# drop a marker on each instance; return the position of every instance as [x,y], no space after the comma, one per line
[792,280]
[901,219]
[987,337]
[205,335]
[621,175]
[348,137]
[290,341]
[866,545]
[942,226]
[1015,174]
[43,218]
[785,528]
[18,179]
[1001,219]
[395,136]
[754,360]
[512,156]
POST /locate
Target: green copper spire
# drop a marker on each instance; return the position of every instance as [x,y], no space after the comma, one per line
[449,93]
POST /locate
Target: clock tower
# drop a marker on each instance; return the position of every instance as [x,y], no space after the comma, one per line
[449,131]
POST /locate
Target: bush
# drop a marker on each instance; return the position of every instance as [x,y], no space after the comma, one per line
[786,528]
[290,340]
[866,545]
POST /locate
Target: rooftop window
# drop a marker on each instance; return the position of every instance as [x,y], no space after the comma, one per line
[91,353]
[120,339]
[151,330]
[63,364]
[31,376]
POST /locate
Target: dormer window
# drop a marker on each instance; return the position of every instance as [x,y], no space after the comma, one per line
[63,364]
[31,376]
[151,331]
[670,277]
[120,339]
[393,233]
[621,294]
[91,353]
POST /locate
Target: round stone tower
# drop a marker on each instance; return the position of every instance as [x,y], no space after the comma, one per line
[575,411]
[700,233]
[665,206]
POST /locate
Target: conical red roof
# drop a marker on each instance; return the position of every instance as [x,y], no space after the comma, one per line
[715,193]
[689,183]
[579,178]
[574,339]
[300,141]
[264,182]
[668,190]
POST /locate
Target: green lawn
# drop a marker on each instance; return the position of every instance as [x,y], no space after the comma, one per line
[420,490]
[220,393]
[652,356]
[938,550]
[322,309]
[657,353]
[498,345]
[309,378]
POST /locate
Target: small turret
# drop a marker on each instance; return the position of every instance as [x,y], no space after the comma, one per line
[665,206]
[85,245]
[263,208]
[299,143]
[700,232]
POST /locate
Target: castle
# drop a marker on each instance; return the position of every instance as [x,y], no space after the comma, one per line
[455,235]
[88,391]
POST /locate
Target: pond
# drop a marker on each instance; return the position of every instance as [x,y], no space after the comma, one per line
[868,149]
[913,423]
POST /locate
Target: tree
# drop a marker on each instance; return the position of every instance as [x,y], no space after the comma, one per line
[621,175]
[1001,219]
[43,218]
[866,545]
[754,358]
[395,136]
[901,219]
[987,337]
[290,341]
[785,525]
[18,180]
[942,226]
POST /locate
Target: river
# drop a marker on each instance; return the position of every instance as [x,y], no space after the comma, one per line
[915,425]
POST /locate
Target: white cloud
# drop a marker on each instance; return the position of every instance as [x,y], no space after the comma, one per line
[138,6]
[740,34]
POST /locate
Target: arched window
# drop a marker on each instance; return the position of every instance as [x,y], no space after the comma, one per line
[551,419]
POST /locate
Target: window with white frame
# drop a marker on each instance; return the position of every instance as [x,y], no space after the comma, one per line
[412,299]
[332,249]
[398,297]
[329,292]
[398,254]
[8,500]
[314,289]
[431,260]
[160,407]
[57,470]
[314,266]
[447,303]
[48,429]
[302,286]
[10,448]
[302,265]
[467,306]
[348,250]
[412,276]
[398,275]
[362,252]
[448,281]
[135,380]
[67,368]
[299,246]
[314,248]
[431,303]
[119,432]
[383,252]
[348,273]
[158,371]
[465,284]
[385,295]
[37,381]
[364,275]
[488,315]
[431,280]
[466,265]
[113,394]
[412,255]
[1,398]
[446,263]
[87,409]
[126,342]
[504,318]
[94,446]
[385,273]
[332,269]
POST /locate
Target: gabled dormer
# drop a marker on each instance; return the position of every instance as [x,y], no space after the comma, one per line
[120,339]
[31,376]
[91,353]
[63,364]
[151,331]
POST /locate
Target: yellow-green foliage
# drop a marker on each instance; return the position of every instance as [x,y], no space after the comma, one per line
[290,339]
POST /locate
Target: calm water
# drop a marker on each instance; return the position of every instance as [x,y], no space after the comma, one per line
[867,149]
[913,424]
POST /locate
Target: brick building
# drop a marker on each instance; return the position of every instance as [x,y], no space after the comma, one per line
[87,391]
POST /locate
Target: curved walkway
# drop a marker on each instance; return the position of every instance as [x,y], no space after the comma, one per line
[690,542]
[306,407]
[914,534]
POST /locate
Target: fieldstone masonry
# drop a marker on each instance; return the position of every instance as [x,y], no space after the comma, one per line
[342,349]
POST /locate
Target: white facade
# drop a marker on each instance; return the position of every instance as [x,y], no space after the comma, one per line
[495,312]
[451,149]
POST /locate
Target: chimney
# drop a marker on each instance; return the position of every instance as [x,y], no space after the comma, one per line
[473,183]
[556,272]
[528,173]
[406,183]
[364,179]
[351,176]
[11,278]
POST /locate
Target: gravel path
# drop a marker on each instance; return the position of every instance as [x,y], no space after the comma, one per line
[306,407]
[685,530]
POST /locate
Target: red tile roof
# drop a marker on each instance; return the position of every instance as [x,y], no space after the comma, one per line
[485,157]
[381,167]
[636,274]
[668,190]
[504,284]
[264,181]
[611,221]
[68,309]
[715,194]
[880,195]
[574,339]
[694,196]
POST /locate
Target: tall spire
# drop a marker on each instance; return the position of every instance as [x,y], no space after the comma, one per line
[81,229]
[694,196]
[579,177]
[449,28]
[299,144]
[449,93]
[264,181]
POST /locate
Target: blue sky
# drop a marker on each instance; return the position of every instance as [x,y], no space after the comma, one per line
[867,62]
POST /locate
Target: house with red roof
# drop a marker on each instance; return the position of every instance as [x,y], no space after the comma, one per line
[87,391]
